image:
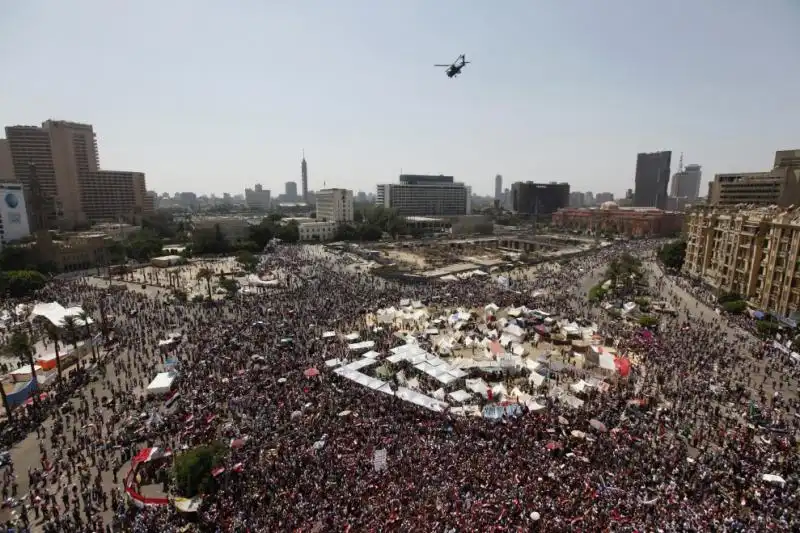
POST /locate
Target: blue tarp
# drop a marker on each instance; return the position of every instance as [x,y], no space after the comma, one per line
[22,392]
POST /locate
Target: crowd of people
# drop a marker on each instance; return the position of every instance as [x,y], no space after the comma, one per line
[685,445]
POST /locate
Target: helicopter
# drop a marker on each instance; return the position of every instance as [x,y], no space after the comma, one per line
[455,69]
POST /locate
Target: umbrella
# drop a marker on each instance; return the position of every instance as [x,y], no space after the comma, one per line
[553,445]
[563,421]
[311,372]
[296,414]
[217,471]
[578,434]
[238,443]
[535,516]
[599,426]
[282,380]
[238,467]
[345,413]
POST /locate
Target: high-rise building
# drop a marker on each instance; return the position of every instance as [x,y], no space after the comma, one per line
[115,196]
[304,177]
[258,198]
[425,195]
[6,165]
[539,199]
[67,165]
[576,199]
[652,178]
[779,186]
[686,183]
[291,191]
[498,187]
[335,205]
[13,213]
[588,199]
[602,197]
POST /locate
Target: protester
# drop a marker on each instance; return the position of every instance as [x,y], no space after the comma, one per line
[687,455]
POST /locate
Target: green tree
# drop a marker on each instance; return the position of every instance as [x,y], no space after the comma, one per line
[85,317]
[230,285]
[205,274]
[247,260]
[210,241]
[673,254]
[161,224]
[192,469]
[370,232]
[143,245]
[735,307]
[289,233]
[54,334]
[262,233]
[21,283]
[71,327]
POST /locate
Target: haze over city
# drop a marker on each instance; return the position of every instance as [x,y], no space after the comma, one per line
[212,98]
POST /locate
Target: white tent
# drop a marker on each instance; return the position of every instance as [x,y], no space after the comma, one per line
[55,313]
[161,384]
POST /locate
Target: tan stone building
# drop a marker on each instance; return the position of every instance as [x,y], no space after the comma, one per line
[754,252]
[779,186]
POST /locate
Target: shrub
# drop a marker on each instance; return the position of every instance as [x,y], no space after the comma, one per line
[735,307]
[192,469]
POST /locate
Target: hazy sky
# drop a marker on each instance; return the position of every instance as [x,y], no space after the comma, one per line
[215,96]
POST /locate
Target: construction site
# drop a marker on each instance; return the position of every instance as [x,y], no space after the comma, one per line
[452,259]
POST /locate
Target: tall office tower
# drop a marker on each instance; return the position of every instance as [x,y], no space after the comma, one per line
[652,178]
[304,177]
[498,187]
[686,183]
[6,164]
[539,199]
[291,191]
[335,205]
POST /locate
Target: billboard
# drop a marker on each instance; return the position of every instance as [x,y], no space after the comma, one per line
[13,213]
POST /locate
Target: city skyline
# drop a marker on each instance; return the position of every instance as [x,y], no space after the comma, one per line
[193,114]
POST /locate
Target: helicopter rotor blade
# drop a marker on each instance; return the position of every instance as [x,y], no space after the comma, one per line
[442,65]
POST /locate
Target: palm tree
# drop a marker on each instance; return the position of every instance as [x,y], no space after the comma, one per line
[206,274]
[86,318]
[55,335]
[71,327]
[21,346]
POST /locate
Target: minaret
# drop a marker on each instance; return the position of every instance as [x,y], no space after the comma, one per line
[304,177]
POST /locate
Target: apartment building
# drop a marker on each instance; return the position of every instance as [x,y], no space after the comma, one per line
[425,195]
[753,252]
[779,186]
[74,189]
[335,205]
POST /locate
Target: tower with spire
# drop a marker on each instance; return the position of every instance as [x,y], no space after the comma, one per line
[304,177]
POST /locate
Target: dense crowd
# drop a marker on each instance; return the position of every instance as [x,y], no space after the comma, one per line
[689,435]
